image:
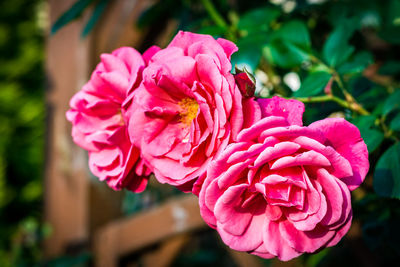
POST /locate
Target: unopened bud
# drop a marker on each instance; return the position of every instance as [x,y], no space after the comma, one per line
[328,87]
[246,82]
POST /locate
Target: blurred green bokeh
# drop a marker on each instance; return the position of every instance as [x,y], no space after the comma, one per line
[22,130]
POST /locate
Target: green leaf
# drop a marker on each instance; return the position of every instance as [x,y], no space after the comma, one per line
[357,65]
[395,123]
[284,54]
[73,13]
[372,138]
[336,49]
[392,102]
[290,45]
[365,121]
[97,12]
[391,35]
[313,84]
[390,67]
[294,32]
[250,51]
[373,98]
[313,260]
[387,173]
[257,20]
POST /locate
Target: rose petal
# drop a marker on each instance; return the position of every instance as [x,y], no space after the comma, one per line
[256,129]
[345,138]
[275,244]
[290,109]
[306,158]
[301,241]
[251,238]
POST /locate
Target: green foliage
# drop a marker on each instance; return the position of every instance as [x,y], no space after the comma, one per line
[357,64]
[391,103]
[289,45]
[71,14]
[387,173]
[313,84]
[76,10]
[97,12]
[251,51]
[372,136]
[22,129]
[395,123]
[336,49]
[80,260]
[257,20]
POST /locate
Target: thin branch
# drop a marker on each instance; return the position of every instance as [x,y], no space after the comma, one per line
[349,97]
[217,17]
[326,98]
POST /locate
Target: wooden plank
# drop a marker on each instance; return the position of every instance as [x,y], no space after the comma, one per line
[66,178]
[167,252]
[125,236]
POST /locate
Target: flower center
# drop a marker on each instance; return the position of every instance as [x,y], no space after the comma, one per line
[189,108]
[122,121]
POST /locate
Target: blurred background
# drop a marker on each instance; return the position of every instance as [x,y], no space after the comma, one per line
[340,57]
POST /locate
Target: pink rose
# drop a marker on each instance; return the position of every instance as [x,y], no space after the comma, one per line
[99,122]
[188,108]
[283,189]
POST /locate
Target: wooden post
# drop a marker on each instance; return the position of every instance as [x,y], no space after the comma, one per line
[167,252]
[66,182]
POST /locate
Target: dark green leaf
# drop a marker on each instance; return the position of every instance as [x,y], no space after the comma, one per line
[365,121]
[97,12]
[298,52]
[313,84]
[314,260]
[390,67]
[392,102]
[387,173]
[258,19]
[336,49]
[372,138]
[250,51]
[284,54]
[73,13]
[393,13]
[395,123]
[378,110]
[357,65]
[391,34]
[372,98]
[294,32]
[289,46]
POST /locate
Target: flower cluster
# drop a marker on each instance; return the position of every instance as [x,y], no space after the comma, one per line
[269,185]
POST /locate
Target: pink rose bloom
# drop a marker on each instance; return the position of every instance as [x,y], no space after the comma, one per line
[99,121]
[283,189]
[188,108]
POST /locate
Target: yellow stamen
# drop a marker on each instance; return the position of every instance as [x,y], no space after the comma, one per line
[189,108]
[122,121]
